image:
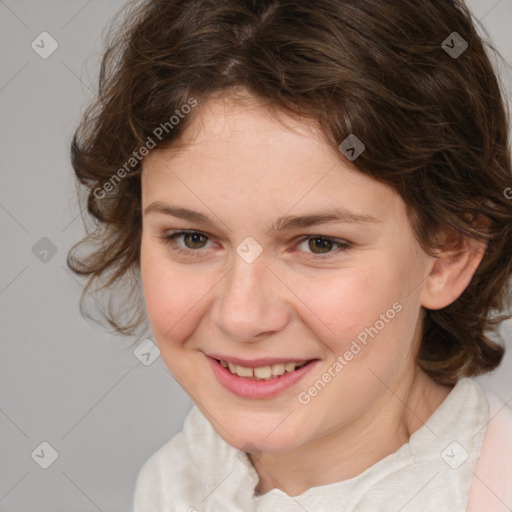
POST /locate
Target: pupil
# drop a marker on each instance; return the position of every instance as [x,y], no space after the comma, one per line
[194,237]
[323,243]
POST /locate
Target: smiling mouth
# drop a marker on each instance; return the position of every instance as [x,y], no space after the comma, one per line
[269,372]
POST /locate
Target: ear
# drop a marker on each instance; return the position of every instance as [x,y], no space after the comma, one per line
[452,269]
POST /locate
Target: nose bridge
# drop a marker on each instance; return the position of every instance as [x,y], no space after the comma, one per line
[248,303]
[245,286]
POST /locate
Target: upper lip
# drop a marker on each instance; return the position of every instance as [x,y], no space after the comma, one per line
[256,363]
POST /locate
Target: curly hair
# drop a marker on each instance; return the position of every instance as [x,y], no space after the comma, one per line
[434,122]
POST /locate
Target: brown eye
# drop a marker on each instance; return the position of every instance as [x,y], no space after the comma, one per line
[194,239]
[193,242]
[323,244]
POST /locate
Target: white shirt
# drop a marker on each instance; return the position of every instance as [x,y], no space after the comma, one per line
[198,471]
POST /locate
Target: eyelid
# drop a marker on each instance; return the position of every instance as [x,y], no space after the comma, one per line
[170,237]
[344,245]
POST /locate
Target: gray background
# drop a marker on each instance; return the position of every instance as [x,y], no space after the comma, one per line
[63,380]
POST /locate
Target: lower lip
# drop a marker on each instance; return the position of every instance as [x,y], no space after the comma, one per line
[256,389]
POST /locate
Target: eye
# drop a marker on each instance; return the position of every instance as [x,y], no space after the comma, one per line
[324,244]
[193,240]
[321,247]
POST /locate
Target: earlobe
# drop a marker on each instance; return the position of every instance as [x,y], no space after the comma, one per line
[451,273]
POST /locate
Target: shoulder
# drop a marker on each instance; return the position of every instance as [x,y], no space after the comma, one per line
[149,494]
[186,470]
[164,473]
[491,489]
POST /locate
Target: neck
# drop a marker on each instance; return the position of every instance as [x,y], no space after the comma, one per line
[350,450]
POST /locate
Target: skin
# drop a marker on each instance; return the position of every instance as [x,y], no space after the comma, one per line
[243,168]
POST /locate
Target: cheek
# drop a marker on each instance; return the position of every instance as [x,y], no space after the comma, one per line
[344,304]
[172,296]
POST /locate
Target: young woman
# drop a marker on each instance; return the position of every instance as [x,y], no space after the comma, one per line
[312,199]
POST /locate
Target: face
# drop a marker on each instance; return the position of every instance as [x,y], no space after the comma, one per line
[244,283]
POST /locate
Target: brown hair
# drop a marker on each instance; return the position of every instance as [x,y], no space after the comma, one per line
[434,125]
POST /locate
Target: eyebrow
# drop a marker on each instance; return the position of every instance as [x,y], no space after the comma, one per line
[282,224]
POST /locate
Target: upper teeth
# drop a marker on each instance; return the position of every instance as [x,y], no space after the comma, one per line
[262,372]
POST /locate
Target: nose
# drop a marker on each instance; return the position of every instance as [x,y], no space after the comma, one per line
[251,302]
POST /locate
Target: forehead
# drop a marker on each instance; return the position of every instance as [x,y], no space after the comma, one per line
[235,126]
[243,154]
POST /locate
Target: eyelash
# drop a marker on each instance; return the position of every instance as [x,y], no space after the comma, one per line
[169,239]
